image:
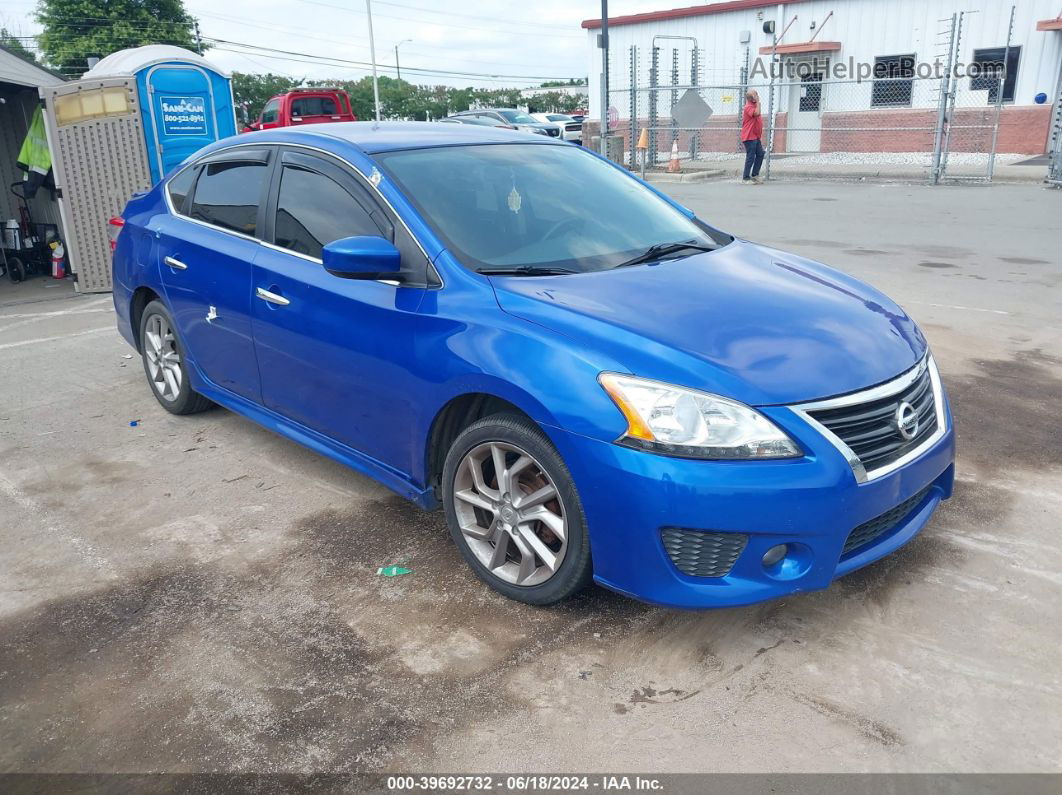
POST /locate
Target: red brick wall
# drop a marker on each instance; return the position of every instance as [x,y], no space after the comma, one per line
[1023,129]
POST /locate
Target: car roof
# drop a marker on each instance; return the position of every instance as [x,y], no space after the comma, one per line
[372,137]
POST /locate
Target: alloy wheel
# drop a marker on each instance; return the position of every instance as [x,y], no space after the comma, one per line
[510,513]
[163,359]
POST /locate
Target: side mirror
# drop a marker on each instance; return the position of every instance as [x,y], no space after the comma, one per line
[362,257]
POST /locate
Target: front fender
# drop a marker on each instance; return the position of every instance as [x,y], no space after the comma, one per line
[467,345]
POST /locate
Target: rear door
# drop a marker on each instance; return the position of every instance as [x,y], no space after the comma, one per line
[206,250]
[335,354]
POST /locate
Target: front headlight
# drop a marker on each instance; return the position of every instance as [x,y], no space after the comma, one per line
[678,421]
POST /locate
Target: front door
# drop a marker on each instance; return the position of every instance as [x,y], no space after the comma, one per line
[334,353]
[205,254]
[805,111]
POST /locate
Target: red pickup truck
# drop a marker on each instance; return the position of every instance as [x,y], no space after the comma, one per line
[304,106]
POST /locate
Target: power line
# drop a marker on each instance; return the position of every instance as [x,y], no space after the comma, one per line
[421,70]
[519,22]
[415,51]
[407,19]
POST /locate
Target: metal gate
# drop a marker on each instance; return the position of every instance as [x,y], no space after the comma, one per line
[969,111]
[99,160]
[1054,168]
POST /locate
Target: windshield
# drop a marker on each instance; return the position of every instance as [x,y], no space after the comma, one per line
[516,117]
[559,117]
[506,206]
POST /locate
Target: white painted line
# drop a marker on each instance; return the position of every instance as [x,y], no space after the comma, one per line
[36,318]
[58,338]
[963,308]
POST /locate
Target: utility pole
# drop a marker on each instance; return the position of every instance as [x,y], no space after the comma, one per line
[604,77]
[372,52]
[198,39]
[398,67]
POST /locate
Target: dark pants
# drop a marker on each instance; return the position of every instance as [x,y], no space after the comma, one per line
[753,158]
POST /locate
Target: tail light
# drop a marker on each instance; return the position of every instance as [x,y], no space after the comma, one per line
[114,228]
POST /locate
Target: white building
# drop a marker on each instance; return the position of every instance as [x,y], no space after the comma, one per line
[833,41]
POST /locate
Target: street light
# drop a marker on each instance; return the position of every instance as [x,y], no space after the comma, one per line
[397,67]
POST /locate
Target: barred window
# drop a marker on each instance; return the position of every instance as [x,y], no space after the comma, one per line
[892,81]
[989,65]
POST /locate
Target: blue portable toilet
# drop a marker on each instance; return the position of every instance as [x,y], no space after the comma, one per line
[185,100]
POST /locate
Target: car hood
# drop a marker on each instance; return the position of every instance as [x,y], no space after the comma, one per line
[746,321]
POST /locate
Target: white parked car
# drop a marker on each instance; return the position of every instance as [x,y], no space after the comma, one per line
[570,129]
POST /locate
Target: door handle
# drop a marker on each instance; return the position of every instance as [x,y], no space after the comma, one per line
[175,263]
[272,298]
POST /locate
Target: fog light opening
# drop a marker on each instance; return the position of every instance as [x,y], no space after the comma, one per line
[774,555]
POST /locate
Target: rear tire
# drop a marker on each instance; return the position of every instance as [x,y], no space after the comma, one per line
[164,362]
[523,532]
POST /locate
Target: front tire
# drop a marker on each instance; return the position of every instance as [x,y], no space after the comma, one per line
[164,362]
[514,512]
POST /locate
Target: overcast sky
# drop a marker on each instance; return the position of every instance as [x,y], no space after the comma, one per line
[528,38]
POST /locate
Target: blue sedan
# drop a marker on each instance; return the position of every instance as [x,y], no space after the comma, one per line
[594,384]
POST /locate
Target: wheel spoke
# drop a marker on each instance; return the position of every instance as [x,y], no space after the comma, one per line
[551,520]
[544,494]
[527,560]
[171,383]
[521,463]
[155,341]
[501,547]
[482,533]
[545,554]
[472,498]
[476,469]
[501,472]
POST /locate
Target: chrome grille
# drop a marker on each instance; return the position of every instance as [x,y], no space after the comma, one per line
[870,428]
[703,554]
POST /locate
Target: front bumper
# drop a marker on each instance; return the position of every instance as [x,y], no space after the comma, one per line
[810,503]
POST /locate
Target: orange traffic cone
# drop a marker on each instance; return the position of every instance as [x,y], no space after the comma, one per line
[673,166]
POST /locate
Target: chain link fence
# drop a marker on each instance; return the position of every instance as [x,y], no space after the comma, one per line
[1054,169]
[944,126]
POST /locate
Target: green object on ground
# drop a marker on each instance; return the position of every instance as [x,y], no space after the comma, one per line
[393,571]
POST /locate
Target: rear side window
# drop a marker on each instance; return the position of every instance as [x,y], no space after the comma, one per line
[179,186]
[313,106]
[314,210]
[269,112]
[227,195]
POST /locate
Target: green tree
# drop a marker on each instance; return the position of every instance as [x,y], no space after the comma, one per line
[251,92]
[75,30]
[12,43]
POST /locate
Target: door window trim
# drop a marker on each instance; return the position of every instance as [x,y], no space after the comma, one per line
[222,157]
[435,280]
[339,176]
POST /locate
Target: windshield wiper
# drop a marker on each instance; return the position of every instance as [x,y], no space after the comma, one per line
[661,250]
[526,270]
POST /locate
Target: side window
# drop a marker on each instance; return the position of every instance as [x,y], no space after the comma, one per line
[313,106]
[990,67]
[179,186]
[269,112]
[227,195]
[313,210]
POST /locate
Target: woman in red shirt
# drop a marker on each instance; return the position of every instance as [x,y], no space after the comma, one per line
[751,132]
